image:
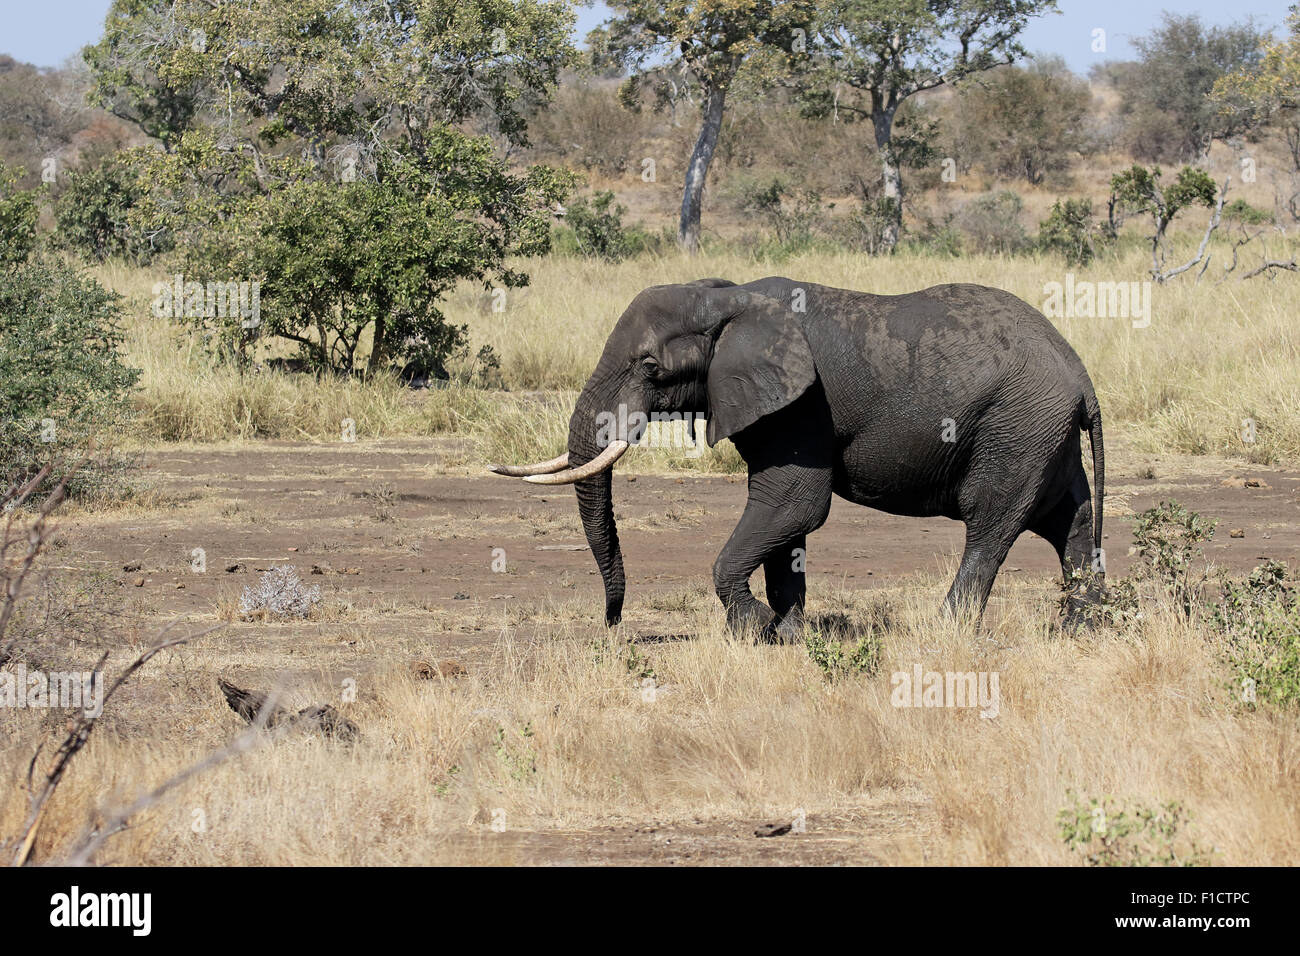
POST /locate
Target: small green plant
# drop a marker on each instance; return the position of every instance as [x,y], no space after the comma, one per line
[1259,620]
[838,658]
[1168,539]
[1108,833]
[611,648]
[519,759]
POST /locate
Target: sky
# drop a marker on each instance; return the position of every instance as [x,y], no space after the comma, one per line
[46,32]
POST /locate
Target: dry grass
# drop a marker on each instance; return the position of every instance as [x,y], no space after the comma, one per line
[558,738]
[1214,354]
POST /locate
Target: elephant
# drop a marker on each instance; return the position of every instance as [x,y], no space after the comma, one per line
[958,400]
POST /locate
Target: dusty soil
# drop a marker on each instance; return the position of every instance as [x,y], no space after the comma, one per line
[403,546]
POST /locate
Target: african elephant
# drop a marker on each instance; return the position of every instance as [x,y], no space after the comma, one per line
[959,400]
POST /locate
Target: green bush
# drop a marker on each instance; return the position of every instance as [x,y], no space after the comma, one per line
[61,381]
[1108,833]
[1168,539]
[335,266]
[865,227]
[17,218]
[792,212]
[1259,619]
[1070,230]
[92,214]
[594,228]
[1243,212]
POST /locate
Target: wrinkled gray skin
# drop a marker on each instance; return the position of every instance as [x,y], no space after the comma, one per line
[826,391]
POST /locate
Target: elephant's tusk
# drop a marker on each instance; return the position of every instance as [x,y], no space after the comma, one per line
[540,468]
[602,462]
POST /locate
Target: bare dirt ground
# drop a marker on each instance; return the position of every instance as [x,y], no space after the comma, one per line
[402,545]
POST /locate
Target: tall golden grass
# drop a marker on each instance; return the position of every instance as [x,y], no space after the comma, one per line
[560,737]
[1216,352]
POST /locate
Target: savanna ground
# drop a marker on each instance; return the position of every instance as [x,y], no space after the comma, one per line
[549,747]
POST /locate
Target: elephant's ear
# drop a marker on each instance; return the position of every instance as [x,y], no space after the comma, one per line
[761,363]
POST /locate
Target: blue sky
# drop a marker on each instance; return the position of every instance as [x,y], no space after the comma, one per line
[46,32]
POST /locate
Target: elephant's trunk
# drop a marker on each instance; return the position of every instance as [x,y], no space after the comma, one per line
[596,505]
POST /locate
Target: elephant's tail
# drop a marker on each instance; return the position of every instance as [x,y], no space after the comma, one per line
[1093,424]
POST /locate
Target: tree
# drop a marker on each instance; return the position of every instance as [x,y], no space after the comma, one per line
[1138,189]
[869,56]
[323,153]
[1023,123]
[329,73]
[1267,89]
[710,40]
[132,65]
[1167,110]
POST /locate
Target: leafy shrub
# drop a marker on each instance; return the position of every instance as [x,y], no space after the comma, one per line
[279,593]
[1243,212]
[92,214]
[1259,619]
[865,227]
[596,230]
[792,212]
[1108,833]
[939,238]
[61,381]
[837,658]
[992,223]
[17,218]
[342,262]
[1167,539]
[1070,230]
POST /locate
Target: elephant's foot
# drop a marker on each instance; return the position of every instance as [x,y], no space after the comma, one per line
[1085,610]
[752,617]
[790,630]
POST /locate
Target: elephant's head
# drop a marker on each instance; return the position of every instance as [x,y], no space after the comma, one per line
[707,348]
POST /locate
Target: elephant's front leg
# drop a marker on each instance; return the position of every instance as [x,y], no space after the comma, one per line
[786,502]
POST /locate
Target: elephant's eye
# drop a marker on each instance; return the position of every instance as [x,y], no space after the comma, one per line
[650,365]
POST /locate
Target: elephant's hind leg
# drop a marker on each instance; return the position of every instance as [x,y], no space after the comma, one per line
[986,549]
[1067,526]
[991,530]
